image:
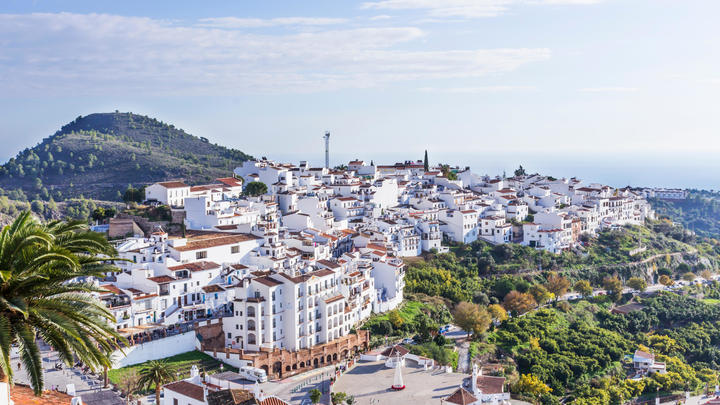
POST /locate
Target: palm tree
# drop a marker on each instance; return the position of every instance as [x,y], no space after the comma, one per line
[157,373]
[45,291]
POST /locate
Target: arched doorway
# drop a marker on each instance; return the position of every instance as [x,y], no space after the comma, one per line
[335,357]
[277,369]
[287,369]
[265,367]
[302,364]
[329,358]
[316,362]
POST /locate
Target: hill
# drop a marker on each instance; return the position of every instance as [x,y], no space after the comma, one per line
[98,155]
[699,212]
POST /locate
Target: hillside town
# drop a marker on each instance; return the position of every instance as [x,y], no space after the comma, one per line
[305,262]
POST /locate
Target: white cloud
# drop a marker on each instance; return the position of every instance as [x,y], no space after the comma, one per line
[235,22]
[609,89]
[464,8]
[380,17]
[476,89]
[68,53]
[445,8]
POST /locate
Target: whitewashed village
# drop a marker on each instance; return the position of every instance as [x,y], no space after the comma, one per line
[276,283]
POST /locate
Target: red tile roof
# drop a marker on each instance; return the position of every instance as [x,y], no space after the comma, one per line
[161,279]
[187,389]
[24,395]
[173,184]
[196,266]
[461,396]
[395,350]
[490,384]
[207,240]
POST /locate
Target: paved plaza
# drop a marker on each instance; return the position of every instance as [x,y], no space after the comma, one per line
[370,383]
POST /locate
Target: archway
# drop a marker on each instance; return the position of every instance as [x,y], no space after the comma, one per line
[265,367]
[294,367]
[277,369]
[329,358]
[251,339]
[302,364]
[315,363]
[287,369]
[335,357]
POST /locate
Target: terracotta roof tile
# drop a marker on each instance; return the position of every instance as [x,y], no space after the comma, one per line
[187,389]
[24,395]
[461,396]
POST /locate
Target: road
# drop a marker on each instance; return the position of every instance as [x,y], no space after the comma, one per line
[57,379]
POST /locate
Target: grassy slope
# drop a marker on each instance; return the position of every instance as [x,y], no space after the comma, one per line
[183,362]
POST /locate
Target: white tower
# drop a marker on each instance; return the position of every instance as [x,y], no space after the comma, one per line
[398,383]
[327,149]
[474,380]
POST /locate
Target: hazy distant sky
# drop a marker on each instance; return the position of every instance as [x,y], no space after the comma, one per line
[541,78]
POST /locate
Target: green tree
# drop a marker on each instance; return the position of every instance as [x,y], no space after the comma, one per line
[529,384]
[557,284]
[666,280]
[471,318]
[689,276]
[520,171]
[155,374]
[426,163]
[497,312]
[256,188]
[395,319]
[39,264]
[337,398]
[637,283]
[614,288]
[584,288]
[98,214]
[519,303]
[315,395]
[541,294]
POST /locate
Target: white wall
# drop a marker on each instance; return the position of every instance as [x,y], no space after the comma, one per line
[154,350]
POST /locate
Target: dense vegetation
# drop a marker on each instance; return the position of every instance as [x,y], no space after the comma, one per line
[484,273]
[98,155]
[700,212]
[582,351]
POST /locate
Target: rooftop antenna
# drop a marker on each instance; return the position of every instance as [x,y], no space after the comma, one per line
[327,149]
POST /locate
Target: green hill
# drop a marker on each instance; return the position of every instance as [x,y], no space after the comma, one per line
[98,155]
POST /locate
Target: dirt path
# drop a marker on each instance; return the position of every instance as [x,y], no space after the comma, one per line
[463,357]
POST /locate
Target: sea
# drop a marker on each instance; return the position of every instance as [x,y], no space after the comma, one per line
[669,170]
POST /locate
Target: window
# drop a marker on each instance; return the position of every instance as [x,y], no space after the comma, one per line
[175,401]
[235,249]
[201,255]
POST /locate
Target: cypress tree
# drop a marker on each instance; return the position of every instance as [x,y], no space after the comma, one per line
[426,163]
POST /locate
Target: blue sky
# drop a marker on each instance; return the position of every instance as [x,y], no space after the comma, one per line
[526,80]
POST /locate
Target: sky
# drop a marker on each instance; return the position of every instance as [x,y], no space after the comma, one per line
[625,91]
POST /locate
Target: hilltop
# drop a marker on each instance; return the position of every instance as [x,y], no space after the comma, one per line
[98,155]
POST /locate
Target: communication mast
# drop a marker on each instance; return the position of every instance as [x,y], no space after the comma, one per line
[327,149]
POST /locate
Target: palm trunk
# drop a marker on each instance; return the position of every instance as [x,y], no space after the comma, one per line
[105,377]
[157,394]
